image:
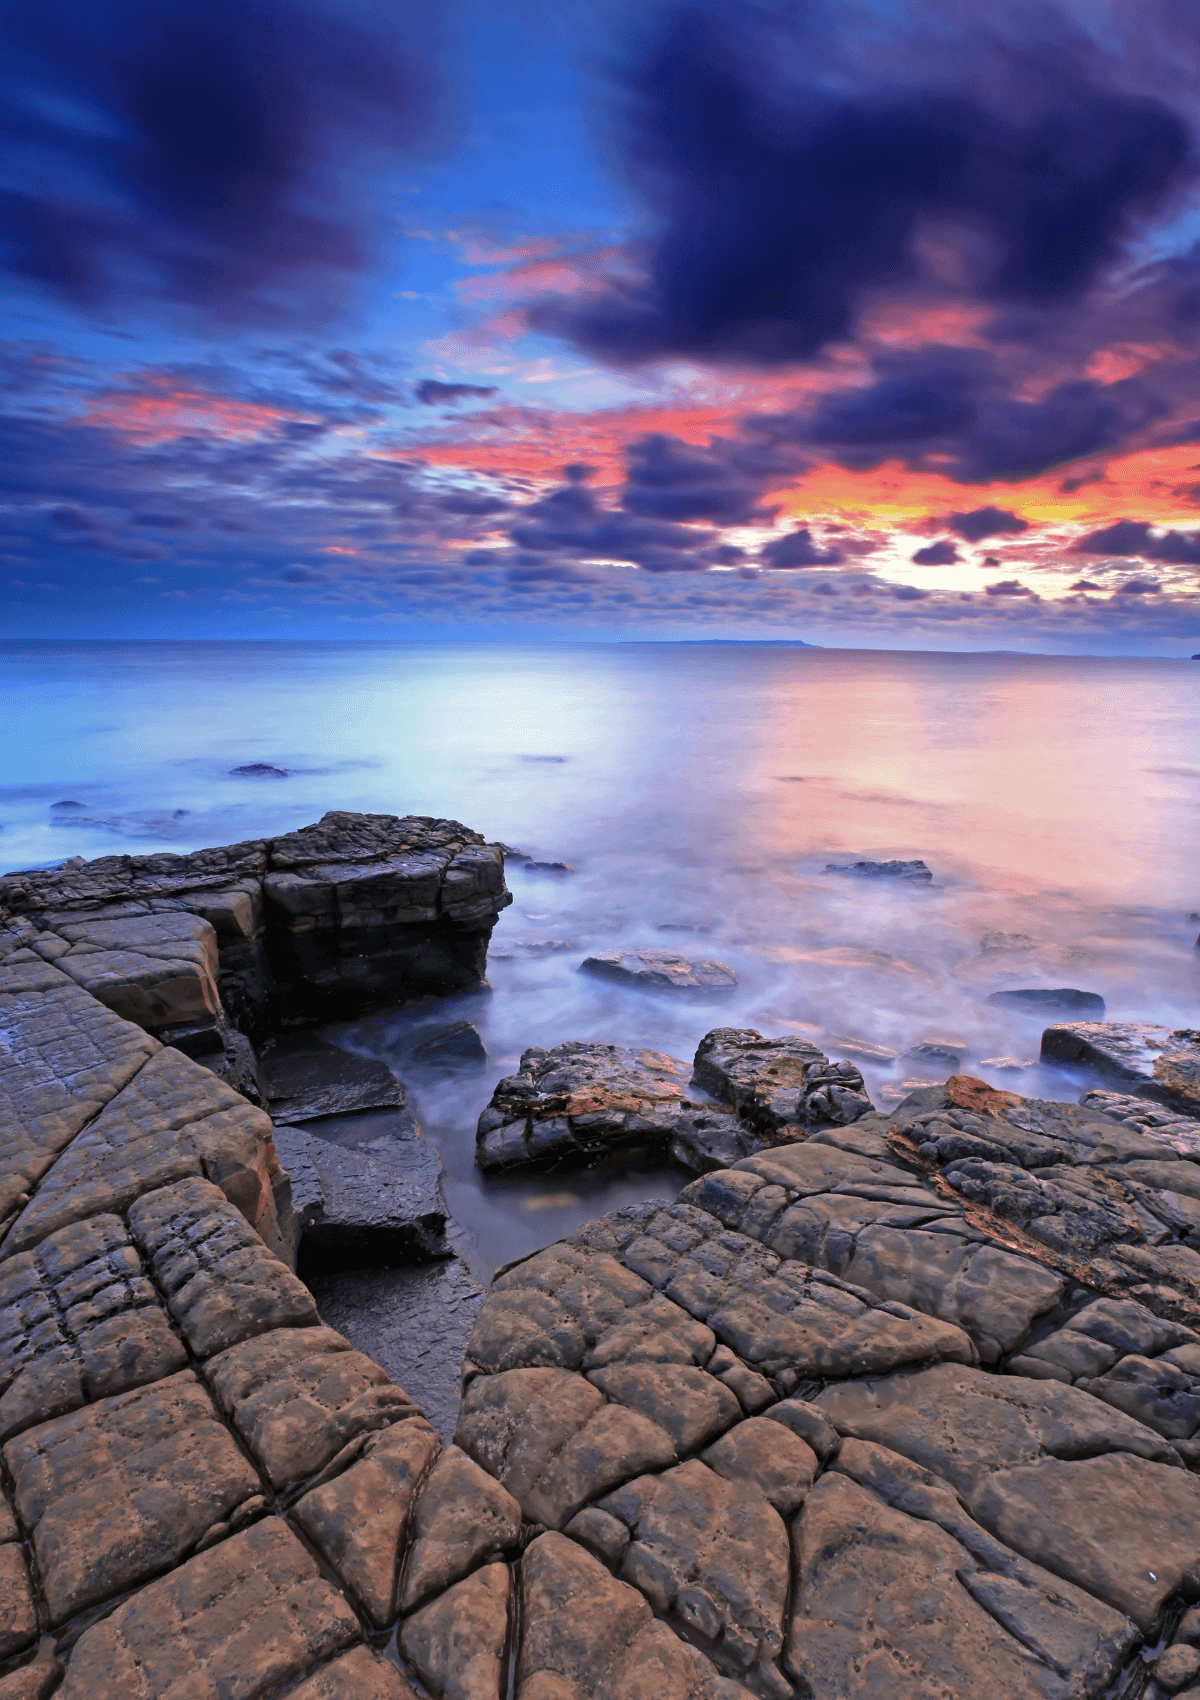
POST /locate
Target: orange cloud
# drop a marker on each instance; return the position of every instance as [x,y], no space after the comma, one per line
[162,409]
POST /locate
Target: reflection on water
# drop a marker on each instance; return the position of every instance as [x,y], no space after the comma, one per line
[698,793]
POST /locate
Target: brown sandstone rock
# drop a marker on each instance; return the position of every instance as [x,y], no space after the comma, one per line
[18,1609]
[33,1681]
[359,1520]
[296,1396]
[359,1674]
[586,1636]
[462,1516]
[78,1320]
[457,1643]
[769,1456]
[783,1087]
[120,1489]
[174,1120]
[222,1283]
[236,1622]
[156,970]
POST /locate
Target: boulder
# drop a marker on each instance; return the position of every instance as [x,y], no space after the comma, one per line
[653,967]
[307,1077]
[780,1087]
[450,1049]
[882,870]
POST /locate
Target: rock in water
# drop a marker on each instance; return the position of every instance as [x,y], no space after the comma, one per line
[656,967]
[777,1085]
[451,1049]
[1039,998]
[580,1100]
[882,870]
[258,770]
[1157,1062]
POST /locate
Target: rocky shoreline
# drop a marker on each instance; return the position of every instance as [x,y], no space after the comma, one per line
[885,1404]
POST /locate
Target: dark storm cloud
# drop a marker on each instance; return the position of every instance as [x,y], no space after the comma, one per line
[1139,587]
[201,152]
[1134,537]
[572,521]
[797,549]
[783,188]
[973,527]
[668,479]
[936,555]
[430,392]
[1008,587]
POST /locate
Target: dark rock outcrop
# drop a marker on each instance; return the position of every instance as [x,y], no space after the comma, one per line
[1155,1061]
[1039,999]
[780,1087]
[882,870]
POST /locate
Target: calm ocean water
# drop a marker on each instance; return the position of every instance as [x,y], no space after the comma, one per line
[691,787]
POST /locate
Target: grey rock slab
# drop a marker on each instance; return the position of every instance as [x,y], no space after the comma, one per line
[450,1049]
[221,1282]
[456,1643]
[657,968]
[117,1491]
[414,1321]
[307,1077]
[298,1395]
[377,1200]
[707,1138]
[893,1605]
[239,1621]
[711,1555]
[1179,1132]
[587,1636]
[359,1521]
[83,888]
[79,1320]
[173,1120]
[580,1101]
[779,1086]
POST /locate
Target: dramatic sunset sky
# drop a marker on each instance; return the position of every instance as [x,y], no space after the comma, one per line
[867,323]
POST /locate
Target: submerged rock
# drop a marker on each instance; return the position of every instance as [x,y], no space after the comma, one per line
[659,968]
[258,770]
[532,867]
[882,870]
[1039,998]
[860,1050]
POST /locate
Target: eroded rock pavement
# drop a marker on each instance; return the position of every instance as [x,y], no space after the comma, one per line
[891,1407]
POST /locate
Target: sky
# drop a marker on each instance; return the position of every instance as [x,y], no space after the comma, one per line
[863,323]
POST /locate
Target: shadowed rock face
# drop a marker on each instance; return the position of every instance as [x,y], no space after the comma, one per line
[1154,1061]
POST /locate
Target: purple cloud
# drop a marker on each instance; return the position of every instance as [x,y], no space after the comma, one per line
[973,527]
[797,549]
[939,554]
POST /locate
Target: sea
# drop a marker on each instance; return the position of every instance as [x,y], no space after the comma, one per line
[698,793]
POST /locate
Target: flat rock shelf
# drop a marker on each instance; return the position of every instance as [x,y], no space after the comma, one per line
[898,1405]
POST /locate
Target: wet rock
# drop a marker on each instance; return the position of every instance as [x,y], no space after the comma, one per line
[1040,998]
[79,1320]
[1006,1065]
[938,1053]
[770,1457]
[456,1644]
[159,971]
[447,1050]
[532,867]
[527,950]
[297,1396]
[414,1321]
[258,770]
[117,1491]
[580,1101]
[34,1681]
[860,1051]
[659,968]
[369,1195]
[359,1674]
[18,1608]
[882,870]
[783,1088]
[706,1138]
[359,1520]
[1157,1062]
[67,803]
[243,1618]
[307,1077]
[1175,1668]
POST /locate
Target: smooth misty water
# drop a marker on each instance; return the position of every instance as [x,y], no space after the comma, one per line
[690,786]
